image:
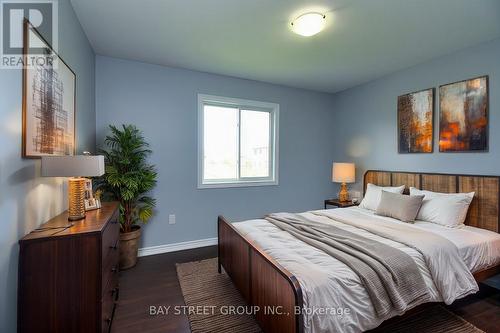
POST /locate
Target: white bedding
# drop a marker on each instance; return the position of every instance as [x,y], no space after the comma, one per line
[479,248]
[328,283]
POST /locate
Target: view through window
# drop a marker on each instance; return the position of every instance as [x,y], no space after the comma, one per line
[238,145]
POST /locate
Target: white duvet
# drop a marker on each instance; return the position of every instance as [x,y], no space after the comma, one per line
[330,285]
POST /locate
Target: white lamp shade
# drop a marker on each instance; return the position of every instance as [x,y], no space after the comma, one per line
[343,173]
[73,166]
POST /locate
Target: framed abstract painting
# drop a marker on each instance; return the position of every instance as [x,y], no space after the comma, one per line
[415,122]
[49,88]
[463,115]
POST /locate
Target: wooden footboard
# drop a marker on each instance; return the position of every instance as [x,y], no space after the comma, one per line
[487,273]
[261,280]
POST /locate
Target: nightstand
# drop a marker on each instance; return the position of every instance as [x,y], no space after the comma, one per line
[339,204]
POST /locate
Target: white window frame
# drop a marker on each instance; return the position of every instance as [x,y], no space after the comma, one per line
[272,108]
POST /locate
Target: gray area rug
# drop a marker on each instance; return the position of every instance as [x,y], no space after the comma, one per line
[202,286]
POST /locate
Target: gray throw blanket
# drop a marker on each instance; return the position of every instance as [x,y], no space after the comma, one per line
[390,276]
[448,270]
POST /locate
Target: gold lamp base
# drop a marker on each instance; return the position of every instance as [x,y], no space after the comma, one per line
[344,193]
[76,198]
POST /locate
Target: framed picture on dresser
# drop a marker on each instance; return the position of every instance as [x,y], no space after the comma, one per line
[415,122]
[463,115]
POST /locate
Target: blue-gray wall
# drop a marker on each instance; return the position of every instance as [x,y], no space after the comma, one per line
[162,101]
[26,200]
[366,127]
[356,125]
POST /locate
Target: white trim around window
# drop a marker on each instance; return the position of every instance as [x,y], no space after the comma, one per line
[240,104]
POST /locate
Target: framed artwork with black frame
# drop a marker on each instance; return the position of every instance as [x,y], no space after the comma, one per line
[49,99]
[463,116]
[416,122]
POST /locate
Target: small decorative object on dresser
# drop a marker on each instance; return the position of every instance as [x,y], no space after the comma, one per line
[91,201]
[343,173]
[340,204]
[128,179]
[68,276]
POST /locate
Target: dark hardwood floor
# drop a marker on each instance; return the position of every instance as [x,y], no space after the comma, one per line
[481,309]
[153,282]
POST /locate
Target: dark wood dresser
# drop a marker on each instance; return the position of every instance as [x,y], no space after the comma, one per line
[68,278]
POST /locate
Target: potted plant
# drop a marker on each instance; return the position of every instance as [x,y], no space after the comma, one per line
[128,179]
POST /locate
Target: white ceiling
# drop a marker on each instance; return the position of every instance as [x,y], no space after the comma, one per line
[363,40]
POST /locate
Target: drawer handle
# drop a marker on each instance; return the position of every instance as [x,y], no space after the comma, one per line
[108,320]
[114,247]
[114,269]
[114,293]
[114,221]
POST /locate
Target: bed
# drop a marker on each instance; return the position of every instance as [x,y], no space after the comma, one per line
[275,271]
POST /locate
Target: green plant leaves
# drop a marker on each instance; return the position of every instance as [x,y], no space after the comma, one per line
[145,213]
[128,176]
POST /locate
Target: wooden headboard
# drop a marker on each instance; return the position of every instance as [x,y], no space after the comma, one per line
[484,209]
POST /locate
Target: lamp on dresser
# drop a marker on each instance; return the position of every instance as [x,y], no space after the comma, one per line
[343,173]
[74,167]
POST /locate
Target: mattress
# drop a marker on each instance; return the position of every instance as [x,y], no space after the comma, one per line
[479,248]
[326,282]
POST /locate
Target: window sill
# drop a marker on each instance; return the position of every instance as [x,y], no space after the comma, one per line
[238,184]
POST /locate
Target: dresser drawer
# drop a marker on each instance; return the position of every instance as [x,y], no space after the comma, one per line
[108,305]
[110,239]
[110,269]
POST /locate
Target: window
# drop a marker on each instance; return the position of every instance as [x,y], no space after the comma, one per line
[238,143]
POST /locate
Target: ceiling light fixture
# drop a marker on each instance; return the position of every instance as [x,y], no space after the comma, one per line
[308,24]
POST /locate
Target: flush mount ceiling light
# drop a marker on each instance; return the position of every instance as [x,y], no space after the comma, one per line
[308,24]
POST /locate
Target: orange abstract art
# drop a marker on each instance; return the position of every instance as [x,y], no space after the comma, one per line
[415,122]
[463,118]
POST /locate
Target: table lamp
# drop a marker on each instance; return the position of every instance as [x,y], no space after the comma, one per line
[75,167]
[343,173]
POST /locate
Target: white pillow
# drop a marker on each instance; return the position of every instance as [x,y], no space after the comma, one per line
[448,209]
[373,194]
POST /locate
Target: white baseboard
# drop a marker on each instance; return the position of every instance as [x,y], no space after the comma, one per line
[148,251]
